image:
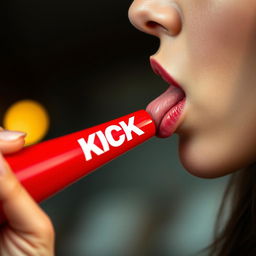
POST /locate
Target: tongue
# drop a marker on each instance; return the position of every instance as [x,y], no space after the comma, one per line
[161,105]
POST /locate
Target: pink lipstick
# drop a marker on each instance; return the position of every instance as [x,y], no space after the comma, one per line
[167,108]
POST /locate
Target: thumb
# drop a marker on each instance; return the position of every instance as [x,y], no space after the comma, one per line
[22,213]
[11,141]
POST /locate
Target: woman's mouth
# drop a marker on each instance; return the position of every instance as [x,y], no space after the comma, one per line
[167,108]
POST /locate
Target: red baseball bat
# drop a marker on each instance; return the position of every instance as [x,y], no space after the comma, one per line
[48,167]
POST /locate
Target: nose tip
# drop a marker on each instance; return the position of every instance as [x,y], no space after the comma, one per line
[155,18]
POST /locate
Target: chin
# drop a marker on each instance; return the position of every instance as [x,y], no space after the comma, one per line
[200,164]
[204,170]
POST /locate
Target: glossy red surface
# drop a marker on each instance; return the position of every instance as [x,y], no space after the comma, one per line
[48,167]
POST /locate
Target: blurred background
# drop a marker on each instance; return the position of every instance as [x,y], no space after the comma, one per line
[85,64]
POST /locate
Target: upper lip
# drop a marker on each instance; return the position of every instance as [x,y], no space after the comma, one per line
[159,70]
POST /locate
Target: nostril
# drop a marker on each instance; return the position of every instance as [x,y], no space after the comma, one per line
[153,25]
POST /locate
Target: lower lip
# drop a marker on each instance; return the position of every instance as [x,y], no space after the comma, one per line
[170,121]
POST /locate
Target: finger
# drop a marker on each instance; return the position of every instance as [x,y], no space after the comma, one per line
[21,211]
[11,141]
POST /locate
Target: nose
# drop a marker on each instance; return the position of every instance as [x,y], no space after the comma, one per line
[156,16]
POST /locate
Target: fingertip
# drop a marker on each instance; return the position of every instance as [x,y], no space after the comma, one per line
[8,147]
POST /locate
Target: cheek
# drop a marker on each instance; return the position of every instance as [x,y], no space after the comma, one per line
[221,118]
[219,133]
[224,38]
[221,56]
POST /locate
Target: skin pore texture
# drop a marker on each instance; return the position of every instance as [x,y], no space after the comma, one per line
[209,47]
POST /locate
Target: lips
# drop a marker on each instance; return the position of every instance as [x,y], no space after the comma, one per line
[167,108]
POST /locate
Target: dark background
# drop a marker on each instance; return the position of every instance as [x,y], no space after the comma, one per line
[86,64]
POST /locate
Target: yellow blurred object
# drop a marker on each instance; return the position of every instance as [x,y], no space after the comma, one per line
[27,116]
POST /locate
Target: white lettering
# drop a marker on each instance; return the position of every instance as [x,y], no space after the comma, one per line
[128,129]
[103,140]
[109,136]
[89,146]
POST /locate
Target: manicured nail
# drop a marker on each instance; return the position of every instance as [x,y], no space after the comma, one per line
[2,166]
[7,135]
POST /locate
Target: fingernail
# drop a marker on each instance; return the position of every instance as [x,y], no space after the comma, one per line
[2,165]
[7,135]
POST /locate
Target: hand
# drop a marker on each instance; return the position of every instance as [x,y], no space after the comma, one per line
[28,230]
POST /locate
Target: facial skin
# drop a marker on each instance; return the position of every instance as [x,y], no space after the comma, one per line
[209,47]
